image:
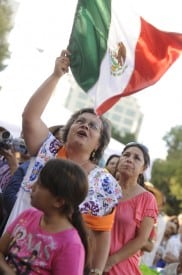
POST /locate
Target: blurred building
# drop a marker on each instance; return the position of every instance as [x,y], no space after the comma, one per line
[125,116]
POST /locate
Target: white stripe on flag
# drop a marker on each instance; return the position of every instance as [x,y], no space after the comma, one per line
[125,27]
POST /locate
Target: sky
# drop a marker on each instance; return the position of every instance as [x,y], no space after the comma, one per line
[42,29]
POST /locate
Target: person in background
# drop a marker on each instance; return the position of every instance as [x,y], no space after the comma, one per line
[9,195]
[135,215]
[111,164]
[85,137]
[8,162]
[174,219]
[10,192]
[174,244]
[170,230]
[57,131]
[15,150]
[174,268]
[56,226]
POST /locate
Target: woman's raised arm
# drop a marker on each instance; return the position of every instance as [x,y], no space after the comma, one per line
[34,129]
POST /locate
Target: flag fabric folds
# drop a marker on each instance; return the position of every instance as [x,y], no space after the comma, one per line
[115,52]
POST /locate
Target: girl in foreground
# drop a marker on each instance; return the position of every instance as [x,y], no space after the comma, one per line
[52,238]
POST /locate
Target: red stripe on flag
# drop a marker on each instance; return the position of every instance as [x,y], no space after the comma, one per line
[155,52]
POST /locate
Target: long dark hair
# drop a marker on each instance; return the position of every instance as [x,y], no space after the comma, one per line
[104,136]
[67,180]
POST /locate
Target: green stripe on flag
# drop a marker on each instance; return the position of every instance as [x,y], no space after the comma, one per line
[88,40]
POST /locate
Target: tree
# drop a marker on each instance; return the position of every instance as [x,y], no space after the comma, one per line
[173,141]
[5,27]
[167,174]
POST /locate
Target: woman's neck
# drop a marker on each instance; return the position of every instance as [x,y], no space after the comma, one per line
[74,153]
[80,157]
[130,187]
[127,182]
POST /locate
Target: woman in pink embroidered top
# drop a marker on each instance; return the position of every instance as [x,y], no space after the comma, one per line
[136,212]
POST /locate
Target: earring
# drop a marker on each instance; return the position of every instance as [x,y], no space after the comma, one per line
[93,154]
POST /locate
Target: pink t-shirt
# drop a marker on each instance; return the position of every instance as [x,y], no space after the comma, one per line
[35,251]
[129,215]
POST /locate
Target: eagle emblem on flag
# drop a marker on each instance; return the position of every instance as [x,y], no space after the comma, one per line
[118,58]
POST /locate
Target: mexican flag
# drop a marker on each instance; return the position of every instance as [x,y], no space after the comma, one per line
[115,52]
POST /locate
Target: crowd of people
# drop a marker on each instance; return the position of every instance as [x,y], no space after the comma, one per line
[62,213]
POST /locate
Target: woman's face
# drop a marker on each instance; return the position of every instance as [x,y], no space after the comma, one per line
[171,228]
[111,166]
[131,162]
[85,132]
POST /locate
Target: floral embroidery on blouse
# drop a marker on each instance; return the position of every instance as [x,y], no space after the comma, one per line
[104,191]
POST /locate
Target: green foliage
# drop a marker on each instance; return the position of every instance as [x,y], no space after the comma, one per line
[5,27]
[167,174]
[173,141]
[147,271]
[128,137]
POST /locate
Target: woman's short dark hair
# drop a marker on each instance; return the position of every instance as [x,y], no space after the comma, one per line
[104,137]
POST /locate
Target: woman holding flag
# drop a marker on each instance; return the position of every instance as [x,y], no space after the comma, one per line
[84,139]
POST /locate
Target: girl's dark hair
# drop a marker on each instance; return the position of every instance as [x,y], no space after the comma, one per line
[145,151]
[67,180]
[104,136]
[111,157]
